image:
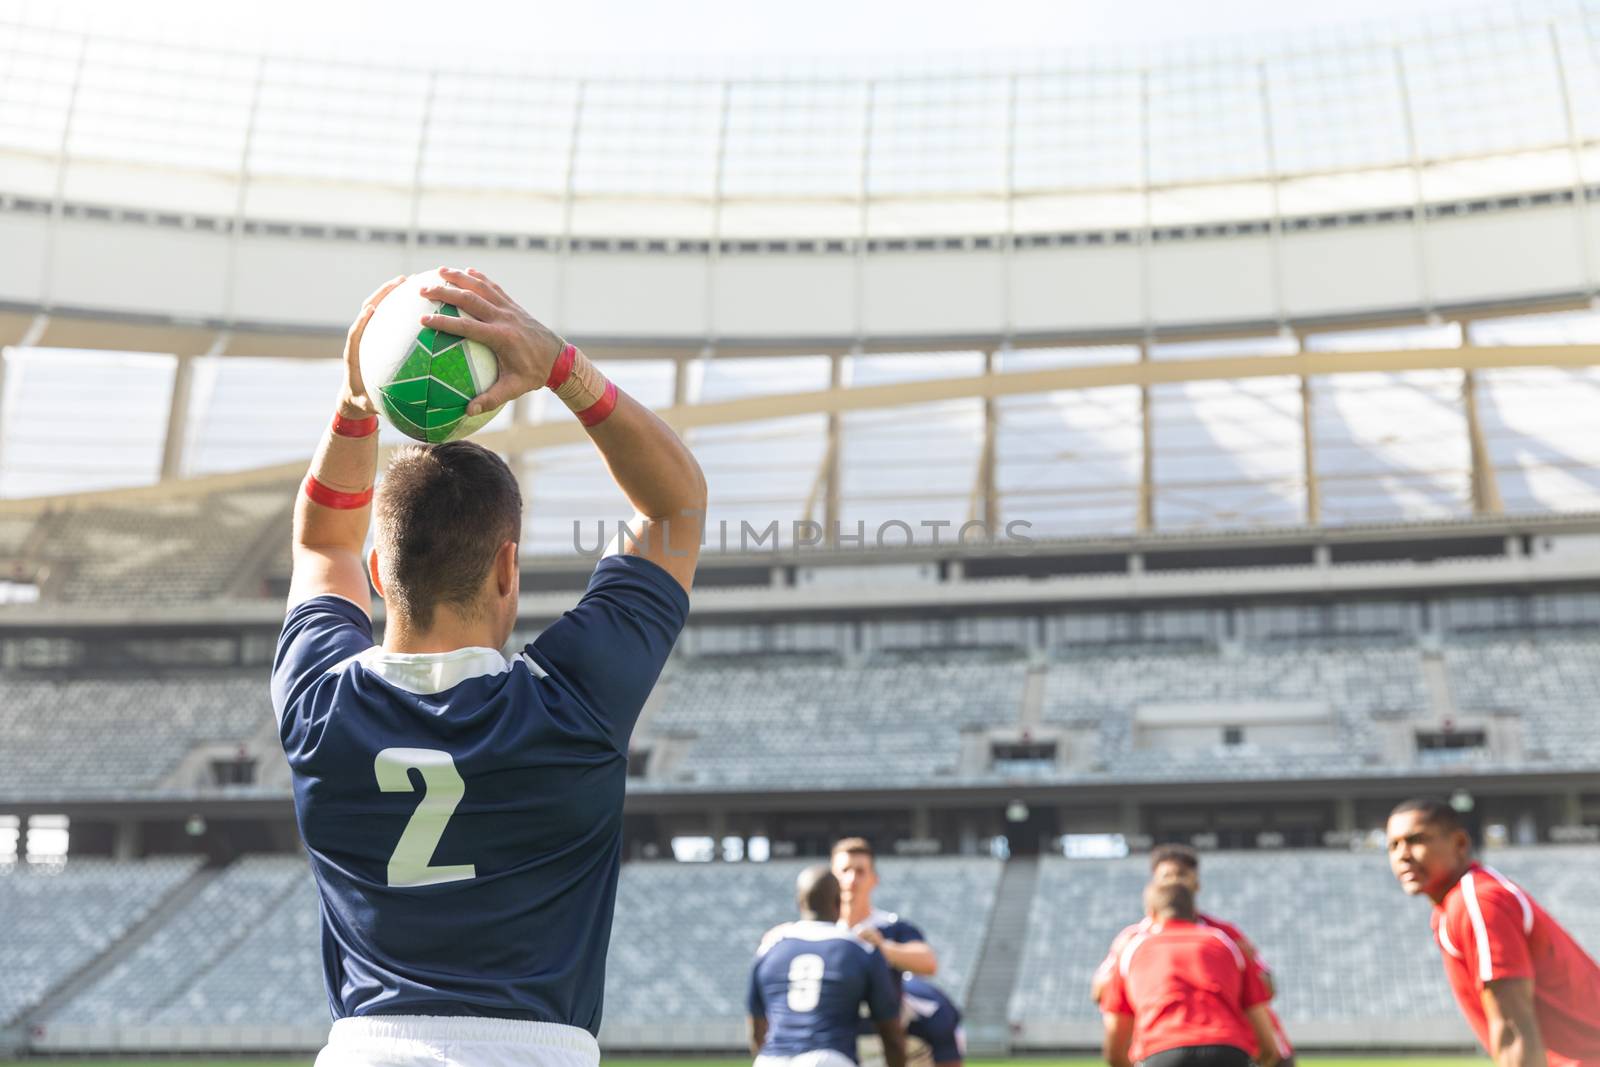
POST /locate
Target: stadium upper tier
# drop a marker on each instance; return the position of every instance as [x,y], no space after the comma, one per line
[1504,702]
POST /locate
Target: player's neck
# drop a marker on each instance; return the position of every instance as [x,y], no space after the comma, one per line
[1438,895]
[858,912]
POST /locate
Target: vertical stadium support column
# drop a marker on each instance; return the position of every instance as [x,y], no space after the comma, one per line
[177,420]
[863,215]
[241,192]
[714,245]
[1145,520]
[832,467]
[1485,487]
[1308,449]
[1009,241]
[1419,206]
[563,248]
[984,504]
[1580,191]
[58,197]
[4,354]
[414,224]
[1275,231]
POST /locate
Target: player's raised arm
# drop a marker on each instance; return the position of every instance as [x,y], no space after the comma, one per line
[334,507]
[649,462]
[1514,1036]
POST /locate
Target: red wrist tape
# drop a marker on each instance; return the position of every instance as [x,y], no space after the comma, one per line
[562,368]
[596,413]
[354,427]
[318,493]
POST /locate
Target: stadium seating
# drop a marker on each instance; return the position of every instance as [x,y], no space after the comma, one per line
[1551,681]
[777,724]
[272,975]
[186,549]
[118,735]
[812,722]
[180,954]
[59,918]
[1101,690]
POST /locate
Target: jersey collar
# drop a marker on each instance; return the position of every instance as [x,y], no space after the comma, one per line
[426,673]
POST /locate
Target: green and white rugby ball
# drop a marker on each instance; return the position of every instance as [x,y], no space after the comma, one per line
[420,378]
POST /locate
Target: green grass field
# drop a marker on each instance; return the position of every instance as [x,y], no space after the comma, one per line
[665,1061]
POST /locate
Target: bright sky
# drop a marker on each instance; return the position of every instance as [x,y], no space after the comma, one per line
[674,32]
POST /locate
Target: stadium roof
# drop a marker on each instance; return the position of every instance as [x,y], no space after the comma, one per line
[1458,107]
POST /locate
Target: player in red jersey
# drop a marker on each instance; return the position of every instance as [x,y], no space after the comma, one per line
[1529,992]
[1183,994]
[1180,865]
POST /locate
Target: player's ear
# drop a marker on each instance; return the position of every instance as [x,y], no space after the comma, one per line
[505,568]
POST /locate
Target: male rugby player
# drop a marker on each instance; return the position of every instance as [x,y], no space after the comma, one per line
[1180,865]
[810,981]
[901,943]
[1528,990]
[1183,995]
[463,811]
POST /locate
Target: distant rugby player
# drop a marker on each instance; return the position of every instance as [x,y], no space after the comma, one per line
[1180,865]
[1528,990]
[463,811]
[901,943]
[1183,994]
[810,981]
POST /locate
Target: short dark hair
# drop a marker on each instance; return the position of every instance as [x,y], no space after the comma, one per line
[816,892]
[1182,855]
[442,512]
[1169,899]
[1434,812]
[853,846]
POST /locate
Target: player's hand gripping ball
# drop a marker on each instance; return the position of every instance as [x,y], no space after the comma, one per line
[420,378]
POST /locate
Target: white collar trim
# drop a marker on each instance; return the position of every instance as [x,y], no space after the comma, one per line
[426,673]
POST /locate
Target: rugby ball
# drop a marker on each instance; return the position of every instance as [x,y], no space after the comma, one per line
[420,378]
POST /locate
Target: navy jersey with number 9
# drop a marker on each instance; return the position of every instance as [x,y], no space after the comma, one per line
[463,812]
[810,981]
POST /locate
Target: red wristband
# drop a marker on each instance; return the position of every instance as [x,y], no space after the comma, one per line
[354,427]
[596,413]
[318,493]
[562,368]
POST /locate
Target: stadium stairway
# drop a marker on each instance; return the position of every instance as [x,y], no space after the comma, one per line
[988,1031]
[171,905]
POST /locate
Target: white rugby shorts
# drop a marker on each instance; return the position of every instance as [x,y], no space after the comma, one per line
[822,1057]
[455,1041]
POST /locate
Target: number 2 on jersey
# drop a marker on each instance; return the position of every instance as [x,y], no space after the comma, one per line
[411,865]
[805,982]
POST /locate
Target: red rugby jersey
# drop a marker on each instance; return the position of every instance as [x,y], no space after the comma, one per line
[1488,929]
[1184,984]
[1263,970]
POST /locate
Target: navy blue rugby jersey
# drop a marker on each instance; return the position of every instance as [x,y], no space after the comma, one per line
[811,980]
[893,928]
[463,812]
